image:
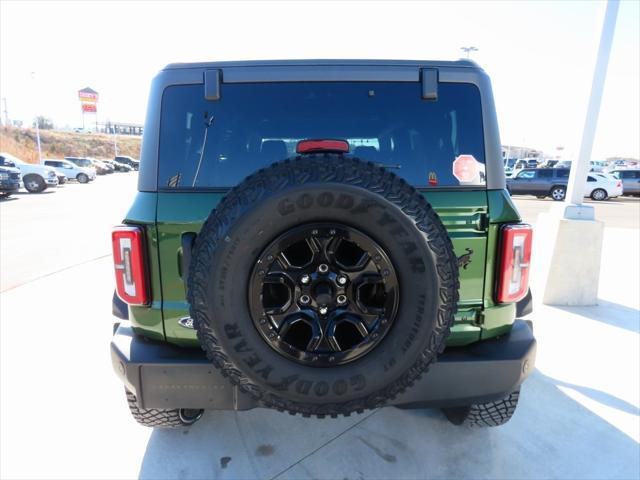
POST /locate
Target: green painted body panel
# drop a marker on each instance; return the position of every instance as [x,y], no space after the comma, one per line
[148,320]
[497,320]
[471,217]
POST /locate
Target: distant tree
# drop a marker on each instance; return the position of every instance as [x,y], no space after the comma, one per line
[44,123]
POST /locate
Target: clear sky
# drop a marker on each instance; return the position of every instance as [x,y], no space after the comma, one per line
[540,55]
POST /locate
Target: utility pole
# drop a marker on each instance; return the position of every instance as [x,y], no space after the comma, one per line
[6,115]
[33,79]
[468,50]
[580,169]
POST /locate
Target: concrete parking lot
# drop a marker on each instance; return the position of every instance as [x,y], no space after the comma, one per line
[63,412]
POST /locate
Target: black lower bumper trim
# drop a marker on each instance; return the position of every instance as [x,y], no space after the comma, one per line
[165,376]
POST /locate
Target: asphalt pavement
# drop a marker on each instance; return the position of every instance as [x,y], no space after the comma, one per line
[63,413]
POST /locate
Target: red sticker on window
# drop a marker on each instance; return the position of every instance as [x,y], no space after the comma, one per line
[465,169]
[433,179]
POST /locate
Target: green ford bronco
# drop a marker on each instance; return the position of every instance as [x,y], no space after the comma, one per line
[322,237]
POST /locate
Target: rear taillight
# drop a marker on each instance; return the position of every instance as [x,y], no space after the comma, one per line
[128,260]
[515,258]
[618,184]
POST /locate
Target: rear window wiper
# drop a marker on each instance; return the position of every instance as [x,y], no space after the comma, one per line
[208,122]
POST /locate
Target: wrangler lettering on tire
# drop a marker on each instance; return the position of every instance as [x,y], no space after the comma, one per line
[296,280]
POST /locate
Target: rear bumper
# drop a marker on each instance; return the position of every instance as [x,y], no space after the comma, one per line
[164,376]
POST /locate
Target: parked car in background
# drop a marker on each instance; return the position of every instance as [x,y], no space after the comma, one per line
[9,181]
[598,165]
[119,167]
[630,179]
[552,182]
[83,162]
[132,162]
[36,178]
[62,178]
[110,168]
[71,170]
[550,163]
[101,167]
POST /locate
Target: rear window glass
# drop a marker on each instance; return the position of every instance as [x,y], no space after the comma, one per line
[216,144]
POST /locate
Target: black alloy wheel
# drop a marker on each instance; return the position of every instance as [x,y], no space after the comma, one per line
[323,294]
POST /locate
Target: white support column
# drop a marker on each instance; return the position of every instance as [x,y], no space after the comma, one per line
[568,240]
[574,208]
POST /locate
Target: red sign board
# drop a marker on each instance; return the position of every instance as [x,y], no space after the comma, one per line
[89,107]
[465,168]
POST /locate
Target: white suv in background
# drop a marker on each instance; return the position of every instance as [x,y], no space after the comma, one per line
[35,177]
[71,170]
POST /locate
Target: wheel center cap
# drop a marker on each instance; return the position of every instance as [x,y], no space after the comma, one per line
[323,293]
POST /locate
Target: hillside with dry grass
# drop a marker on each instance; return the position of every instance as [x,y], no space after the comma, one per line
[21,143]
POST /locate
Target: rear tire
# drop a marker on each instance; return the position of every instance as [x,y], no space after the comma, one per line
[558,193]
[34,184]
[599,195]
[490,414]
[156,417]
[82,178]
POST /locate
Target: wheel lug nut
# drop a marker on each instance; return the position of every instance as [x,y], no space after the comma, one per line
[270,257]
[342,280]
[314,232]
[332,232]
[323,268]
[341,299]
[305,279]
[304,299]
[385,273]
[377,258]
[324,310]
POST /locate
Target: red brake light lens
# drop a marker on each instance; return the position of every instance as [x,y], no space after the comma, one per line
[515,262]
[311,146]
[128,260]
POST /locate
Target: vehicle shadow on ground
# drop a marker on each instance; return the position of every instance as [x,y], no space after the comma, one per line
[551,436]
[8,199]
[610,313]
[48,191]
[597,395]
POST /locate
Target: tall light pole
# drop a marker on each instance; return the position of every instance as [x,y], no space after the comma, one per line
[580,169]
[468,50]
[6,114]
[35,89]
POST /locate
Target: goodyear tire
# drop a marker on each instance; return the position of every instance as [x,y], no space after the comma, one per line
[367,225]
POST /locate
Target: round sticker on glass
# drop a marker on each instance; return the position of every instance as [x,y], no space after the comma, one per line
[468,170]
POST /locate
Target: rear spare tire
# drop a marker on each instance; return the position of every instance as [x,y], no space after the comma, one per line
[323,285]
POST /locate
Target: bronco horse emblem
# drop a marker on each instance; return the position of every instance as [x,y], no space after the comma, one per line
[465,260]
